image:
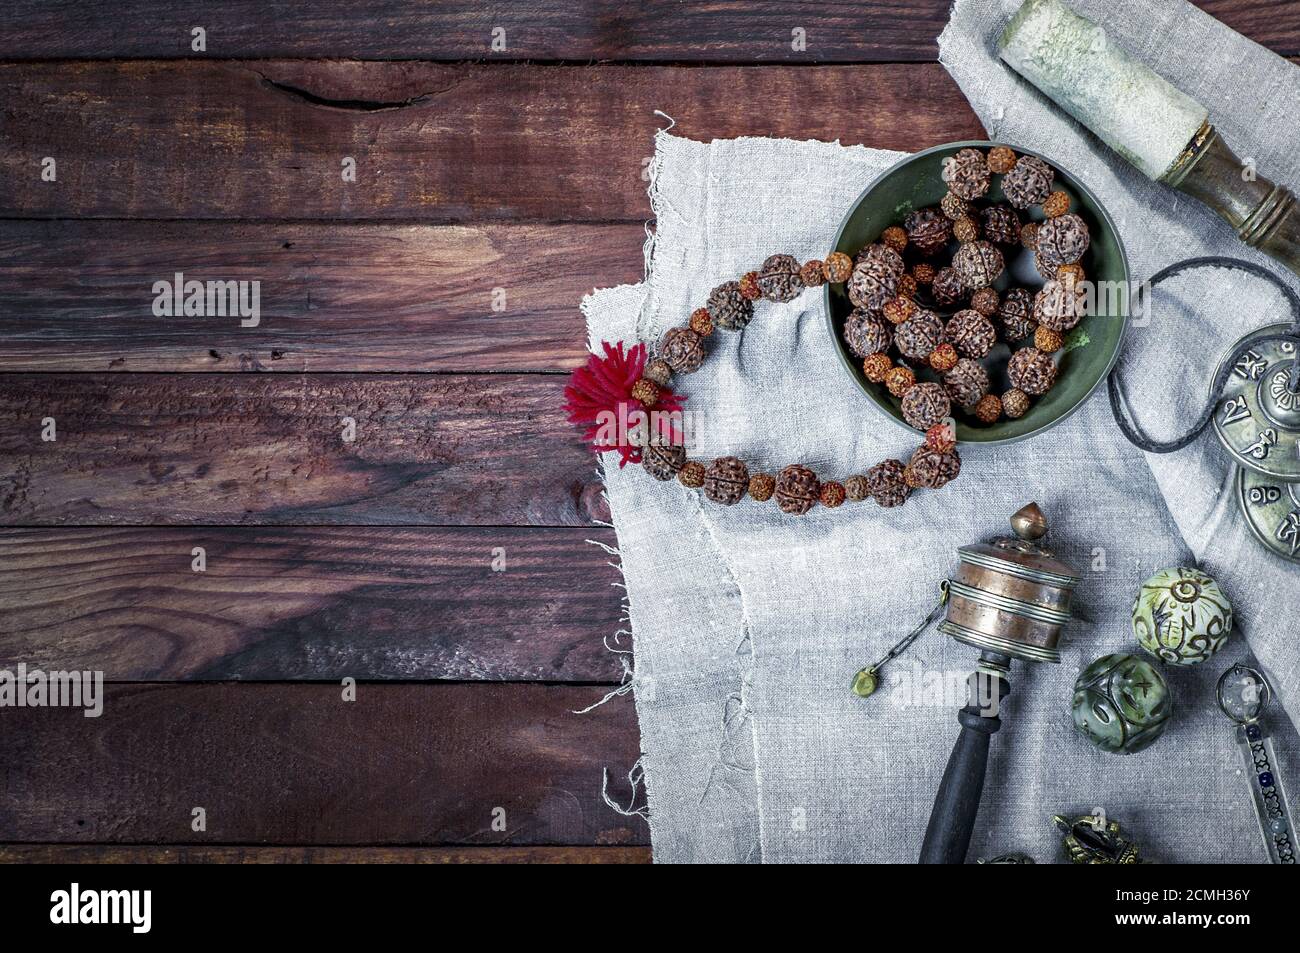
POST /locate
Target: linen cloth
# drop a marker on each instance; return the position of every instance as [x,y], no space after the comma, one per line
[748,624]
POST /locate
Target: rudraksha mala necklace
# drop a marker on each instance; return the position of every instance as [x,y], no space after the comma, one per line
[622,385]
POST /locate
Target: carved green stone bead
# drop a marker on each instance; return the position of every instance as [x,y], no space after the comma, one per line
[1121,703]
[1181,616]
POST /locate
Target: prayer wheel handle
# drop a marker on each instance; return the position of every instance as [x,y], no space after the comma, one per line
[952,819]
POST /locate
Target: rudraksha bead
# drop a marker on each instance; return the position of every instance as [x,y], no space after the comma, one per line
[1063,240]
[1001,224]
[1032,371]
[932,469]
[662,460]
[929,230]
[797,490]
[967,174]
[1047,340]
[989,408]
[867,333]
[811,273]
[729,309]
[832,494]
[919,335]
[1015,403]
[900,380]
[971,333]
[886,485]
[966,383]
[837,267]
[1056,204]
[779,279]
[978,264]
[646,391]
[1059,305]
[925,405]
[1029,182]
[895,238]
[691,474]
[1001,160]
[986,302]
[658,371]
[874,281]
[947,287]
[1016,314]
[726,480]
[944,357]
[682,349]
[761,487]
[876,366]
[701,323]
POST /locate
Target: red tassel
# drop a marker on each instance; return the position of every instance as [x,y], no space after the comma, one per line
[599,399]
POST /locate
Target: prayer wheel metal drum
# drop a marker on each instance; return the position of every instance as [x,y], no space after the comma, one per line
[1011,596]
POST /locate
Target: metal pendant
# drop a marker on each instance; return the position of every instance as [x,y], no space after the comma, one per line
[1258,418]
[1258,423]
[1242,694]
[1272,511]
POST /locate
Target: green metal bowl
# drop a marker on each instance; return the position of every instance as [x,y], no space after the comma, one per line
[1091,348]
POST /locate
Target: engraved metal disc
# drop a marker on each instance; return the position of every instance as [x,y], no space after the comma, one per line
[1258,419]
[1272,511]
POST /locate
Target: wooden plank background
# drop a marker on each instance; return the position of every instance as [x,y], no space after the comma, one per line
[334,297]
[696,31]
[295,764]
[487,449]
[432,142]
[700,31]
[195,854]
[310,602]
[434,302]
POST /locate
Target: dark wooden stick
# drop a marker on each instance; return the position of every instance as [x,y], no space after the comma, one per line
[952,819]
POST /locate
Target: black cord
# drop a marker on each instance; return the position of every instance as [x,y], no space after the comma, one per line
[1118,400]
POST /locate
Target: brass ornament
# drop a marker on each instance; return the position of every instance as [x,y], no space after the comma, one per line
[1095,839]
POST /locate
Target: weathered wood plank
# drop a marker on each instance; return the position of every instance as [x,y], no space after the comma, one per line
[137,854]
[146,449]
[694,30]
[310,603]
[77,295]
[706,31]
[294,764]
[1272,23]
[432,143]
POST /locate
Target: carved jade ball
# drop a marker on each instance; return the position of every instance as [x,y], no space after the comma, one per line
[1181,616]
[1121,703]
